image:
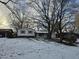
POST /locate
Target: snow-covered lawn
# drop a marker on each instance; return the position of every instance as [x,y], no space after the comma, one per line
[22,48]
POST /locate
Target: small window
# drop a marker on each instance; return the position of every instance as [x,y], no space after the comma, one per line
[22,31]
[29,31]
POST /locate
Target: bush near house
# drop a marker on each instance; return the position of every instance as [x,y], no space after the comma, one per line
[12,35]
[68,37]
[6,33]
[77,35]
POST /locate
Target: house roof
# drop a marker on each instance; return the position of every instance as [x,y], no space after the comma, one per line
[41,32]
[26,29]
[6,30]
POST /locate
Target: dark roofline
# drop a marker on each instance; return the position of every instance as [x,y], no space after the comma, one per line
[6,30]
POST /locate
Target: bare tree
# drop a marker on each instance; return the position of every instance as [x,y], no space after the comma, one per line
[19,19]
[19,13]
[46,13]
[51,14]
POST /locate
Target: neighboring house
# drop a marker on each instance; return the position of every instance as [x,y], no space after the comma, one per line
[44,34]
[41,34]
[6,32]
[28,32]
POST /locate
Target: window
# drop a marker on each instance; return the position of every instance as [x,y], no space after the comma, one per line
[29,31]
[22,31]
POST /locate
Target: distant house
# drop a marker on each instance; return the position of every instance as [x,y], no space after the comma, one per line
[44,34]
[41,34]
[28,32]
[6,32]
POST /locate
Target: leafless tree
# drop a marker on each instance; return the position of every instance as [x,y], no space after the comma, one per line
[18,13]
[19,19]
[17,23]
[51,14]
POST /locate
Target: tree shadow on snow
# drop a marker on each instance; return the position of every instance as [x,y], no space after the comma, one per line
[58,41]
[68,44]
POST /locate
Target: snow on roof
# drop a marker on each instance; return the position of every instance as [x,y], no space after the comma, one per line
[41,31]
[26,29]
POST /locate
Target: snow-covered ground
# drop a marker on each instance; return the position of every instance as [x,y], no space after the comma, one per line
[22,48]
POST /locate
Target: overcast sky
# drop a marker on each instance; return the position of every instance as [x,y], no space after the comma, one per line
[3,17]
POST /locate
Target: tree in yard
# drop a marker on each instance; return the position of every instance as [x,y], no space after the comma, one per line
[18,19]
[18,15]
[22,12]
[51,14]
[46,11]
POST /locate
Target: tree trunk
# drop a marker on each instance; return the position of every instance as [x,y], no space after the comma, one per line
[61,37]
[49,31]
[60,30]
[60,22]
[49,35]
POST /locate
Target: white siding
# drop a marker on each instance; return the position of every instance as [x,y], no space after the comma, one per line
[28,32]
